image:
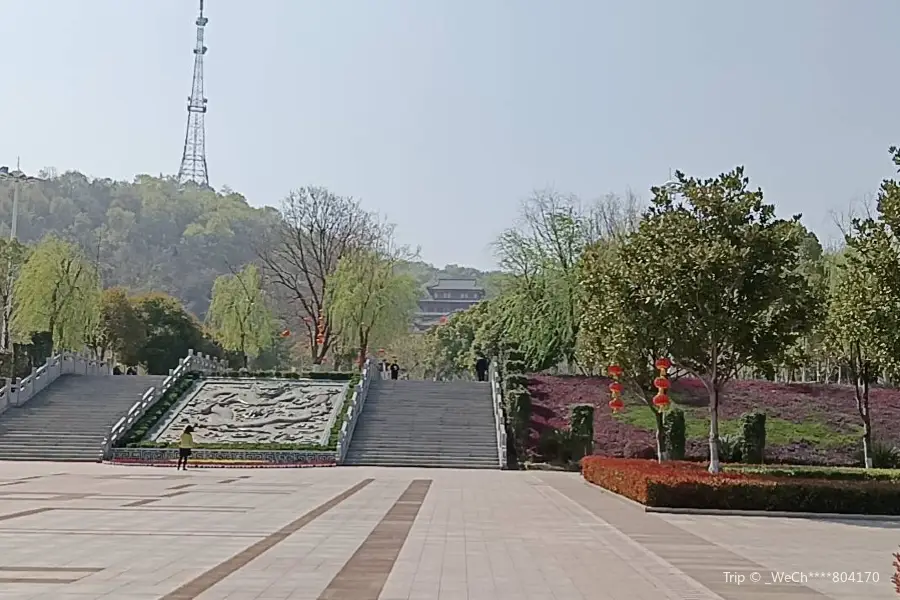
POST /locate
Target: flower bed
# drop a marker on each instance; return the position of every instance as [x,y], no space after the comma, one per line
[808,423]
[689,485]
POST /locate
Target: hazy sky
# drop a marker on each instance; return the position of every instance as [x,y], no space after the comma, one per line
[445,114]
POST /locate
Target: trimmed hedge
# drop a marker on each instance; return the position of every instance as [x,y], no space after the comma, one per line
[675,432]
[677,484]
[581,426]
[753,437]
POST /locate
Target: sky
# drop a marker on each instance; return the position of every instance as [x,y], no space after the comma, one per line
[444,115]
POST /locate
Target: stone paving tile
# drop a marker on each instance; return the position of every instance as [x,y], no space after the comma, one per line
[863,548]
[476,535]
[705,547]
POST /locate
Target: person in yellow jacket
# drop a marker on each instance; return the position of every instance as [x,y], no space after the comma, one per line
[184,447]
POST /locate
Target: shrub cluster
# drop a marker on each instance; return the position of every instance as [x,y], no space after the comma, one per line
[328,375]
[179,387]
[676,484]
[753,437]
[567,446]
[516,398]
[675,432]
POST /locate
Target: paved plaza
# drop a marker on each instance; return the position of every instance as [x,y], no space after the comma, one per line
[80,531]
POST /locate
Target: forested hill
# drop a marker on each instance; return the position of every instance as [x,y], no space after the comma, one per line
[152,234]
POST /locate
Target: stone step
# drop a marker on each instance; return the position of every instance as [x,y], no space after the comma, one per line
[387,444]
[423,461]
[420,423]
[68,419]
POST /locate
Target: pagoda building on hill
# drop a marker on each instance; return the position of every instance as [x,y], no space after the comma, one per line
[445,297]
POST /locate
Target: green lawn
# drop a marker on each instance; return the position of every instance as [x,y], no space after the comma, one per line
[779,432]
[810,472]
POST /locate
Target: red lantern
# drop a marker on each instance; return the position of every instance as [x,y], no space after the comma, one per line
[286,333]
[661,400]
[616,404]
[615,387]
[615,371]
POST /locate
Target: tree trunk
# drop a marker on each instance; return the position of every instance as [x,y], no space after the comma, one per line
[714,465]
[862,406]
[661,453]
[363,347]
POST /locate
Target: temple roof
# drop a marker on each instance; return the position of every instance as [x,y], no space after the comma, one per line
[454,283]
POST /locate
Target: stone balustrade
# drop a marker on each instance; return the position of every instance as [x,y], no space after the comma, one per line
[499,421]
[193,362]
[17,392]
[357,401]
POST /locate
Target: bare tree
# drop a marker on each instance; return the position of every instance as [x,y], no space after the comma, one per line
[317,228]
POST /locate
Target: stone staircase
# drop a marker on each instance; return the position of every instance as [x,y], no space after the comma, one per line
[69,419]
[426,424]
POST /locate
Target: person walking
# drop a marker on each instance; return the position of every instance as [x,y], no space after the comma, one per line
[395,370]
[481,368]
[185,444]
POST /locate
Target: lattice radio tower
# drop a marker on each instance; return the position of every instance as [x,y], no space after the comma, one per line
[193,159]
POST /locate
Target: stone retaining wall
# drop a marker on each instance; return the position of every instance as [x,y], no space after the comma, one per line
[261,458]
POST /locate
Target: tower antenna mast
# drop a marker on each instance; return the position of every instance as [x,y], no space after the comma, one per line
[193,158]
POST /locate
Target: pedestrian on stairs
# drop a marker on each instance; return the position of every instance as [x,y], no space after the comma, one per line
[395,370]
[184,447]
[481,368]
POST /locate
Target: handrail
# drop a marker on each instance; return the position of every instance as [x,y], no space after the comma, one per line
[191,363]
[357,401]
[499,421]
[16,392]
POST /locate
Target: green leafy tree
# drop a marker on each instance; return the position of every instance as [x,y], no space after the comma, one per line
[239,317]
[57,292]
[452,345]
[171,332]
[616,328]
[720,278]
[368,301]
[316,229]
[863,326]
[541,253]
[120,330]
[12,256]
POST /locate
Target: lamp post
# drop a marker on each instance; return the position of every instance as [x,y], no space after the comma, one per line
[18,178]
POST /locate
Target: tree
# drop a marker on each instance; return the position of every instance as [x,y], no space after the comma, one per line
[368,301]
[412,352]
[57,292]
[12,257]
[171,332]
[317,228]
[120,330]
[239,317]
[616,328]
[720,277]
[863,326]
[542,253]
